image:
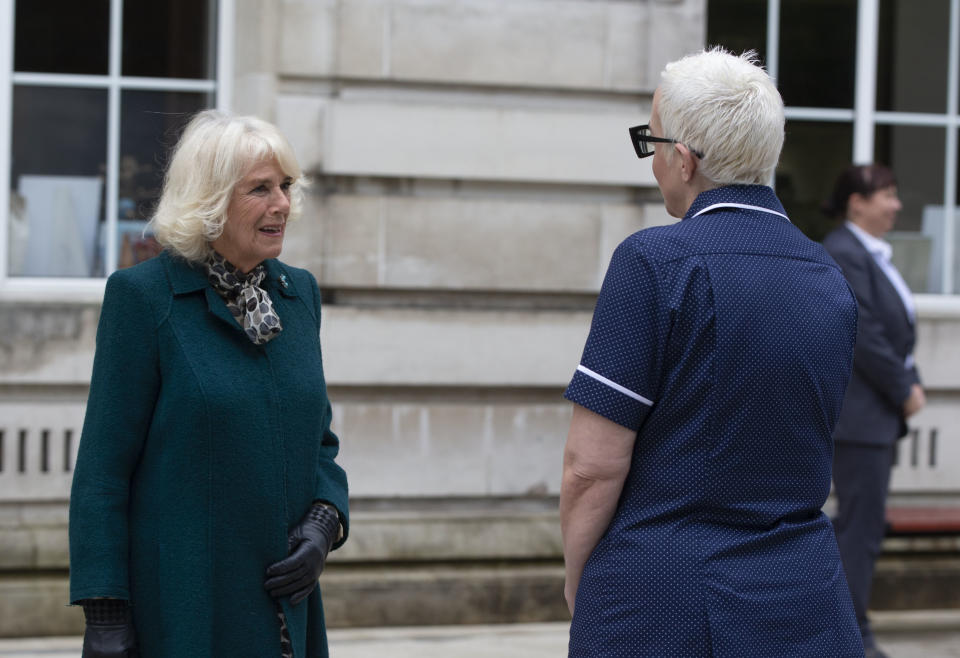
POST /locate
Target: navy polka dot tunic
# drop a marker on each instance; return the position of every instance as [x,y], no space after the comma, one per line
[726,341]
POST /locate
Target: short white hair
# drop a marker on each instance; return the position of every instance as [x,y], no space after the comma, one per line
[727,108]
[215,152]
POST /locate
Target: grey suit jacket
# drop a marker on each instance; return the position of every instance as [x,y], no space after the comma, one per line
[872,410]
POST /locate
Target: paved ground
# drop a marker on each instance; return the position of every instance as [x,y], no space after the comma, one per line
[923,634]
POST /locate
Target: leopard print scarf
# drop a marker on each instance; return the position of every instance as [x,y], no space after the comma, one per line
[249,303]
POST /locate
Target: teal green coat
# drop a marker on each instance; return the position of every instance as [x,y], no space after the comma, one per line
[200,450]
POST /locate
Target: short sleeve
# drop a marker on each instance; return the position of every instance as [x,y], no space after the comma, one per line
[619,371]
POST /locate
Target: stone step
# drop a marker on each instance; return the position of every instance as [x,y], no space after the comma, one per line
[916,581]
[405,595]
[412,594]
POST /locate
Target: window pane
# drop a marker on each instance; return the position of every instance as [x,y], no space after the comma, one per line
[912,55]
[172,39]
[817,52]
[738,25]
[916,155]
[814,153]
[56,178]
[150,125]
[62,36]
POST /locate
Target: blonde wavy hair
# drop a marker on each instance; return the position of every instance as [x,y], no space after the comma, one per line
[729,109]
[213,155]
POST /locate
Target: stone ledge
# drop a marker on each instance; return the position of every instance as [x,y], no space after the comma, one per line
[915,621]
[36,605]
[467,594]
[391,347]
[412,536]
[418,537]
[402,594]
[916,582]
[33,536]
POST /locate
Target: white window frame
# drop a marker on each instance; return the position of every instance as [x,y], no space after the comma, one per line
[91,288]
[865,117]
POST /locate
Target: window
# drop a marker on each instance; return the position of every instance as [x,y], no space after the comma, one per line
[87,116]
[865,81]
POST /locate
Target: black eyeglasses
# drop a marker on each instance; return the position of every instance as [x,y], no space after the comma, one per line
[641,138]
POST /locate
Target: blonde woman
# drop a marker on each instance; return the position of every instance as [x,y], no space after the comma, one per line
[206,495]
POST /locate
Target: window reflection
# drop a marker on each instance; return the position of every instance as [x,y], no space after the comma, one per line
[916,154]
[912,55]
[738,25]
[151,123]
[62,36]
[171,39]
[805,175]
[817,52]
[57,181]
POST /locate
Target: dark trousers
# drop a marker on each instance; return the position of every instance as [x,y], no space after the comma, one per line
[861,479]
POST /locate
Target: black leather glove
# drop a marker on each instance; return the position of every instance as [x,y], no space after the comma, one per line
[309,544]
[109,632]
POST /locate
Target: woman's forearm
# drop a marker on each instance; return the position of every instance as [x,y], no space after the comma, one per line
[596,461]
[586,509]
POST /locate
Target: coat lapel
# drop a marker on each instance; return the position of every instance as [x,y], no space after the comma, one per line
[279,285]
[889,292]
[187,278]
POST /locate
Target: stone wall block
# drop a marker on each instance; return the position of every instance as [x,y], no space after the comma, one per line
[257,29]
[17,549]
[477,244]
[678,29]
[622,221]
[453,449]
[33,535]
[362,30]
[491,245]
[425,536]
[939,363]
[307,38]
[32,606]
[255,93]
[415,450]
[617,223]
[457,449]
[304,239]
[527,454]
[486,143]
[337,239]
[300,119]
[628,27]
[502,42]
[655,214]
[46,342]
[386,347]
[52,548]
[50,514]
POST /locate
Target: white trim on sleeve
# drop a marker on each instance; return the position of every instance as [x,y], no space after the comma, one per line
[615,386]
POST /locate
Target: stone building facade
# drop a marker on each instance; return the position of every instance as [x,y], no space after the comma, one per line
[471,175]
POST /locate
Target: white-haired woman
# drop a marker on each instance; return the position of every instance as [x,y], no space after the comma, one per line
[699,451]
[206,496]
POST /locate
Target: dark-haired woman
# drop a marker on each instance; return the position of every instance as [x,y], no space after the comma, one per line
[884,389]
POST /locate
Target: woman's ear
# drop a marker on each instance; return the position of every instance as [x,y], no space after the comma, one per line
[688,162]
